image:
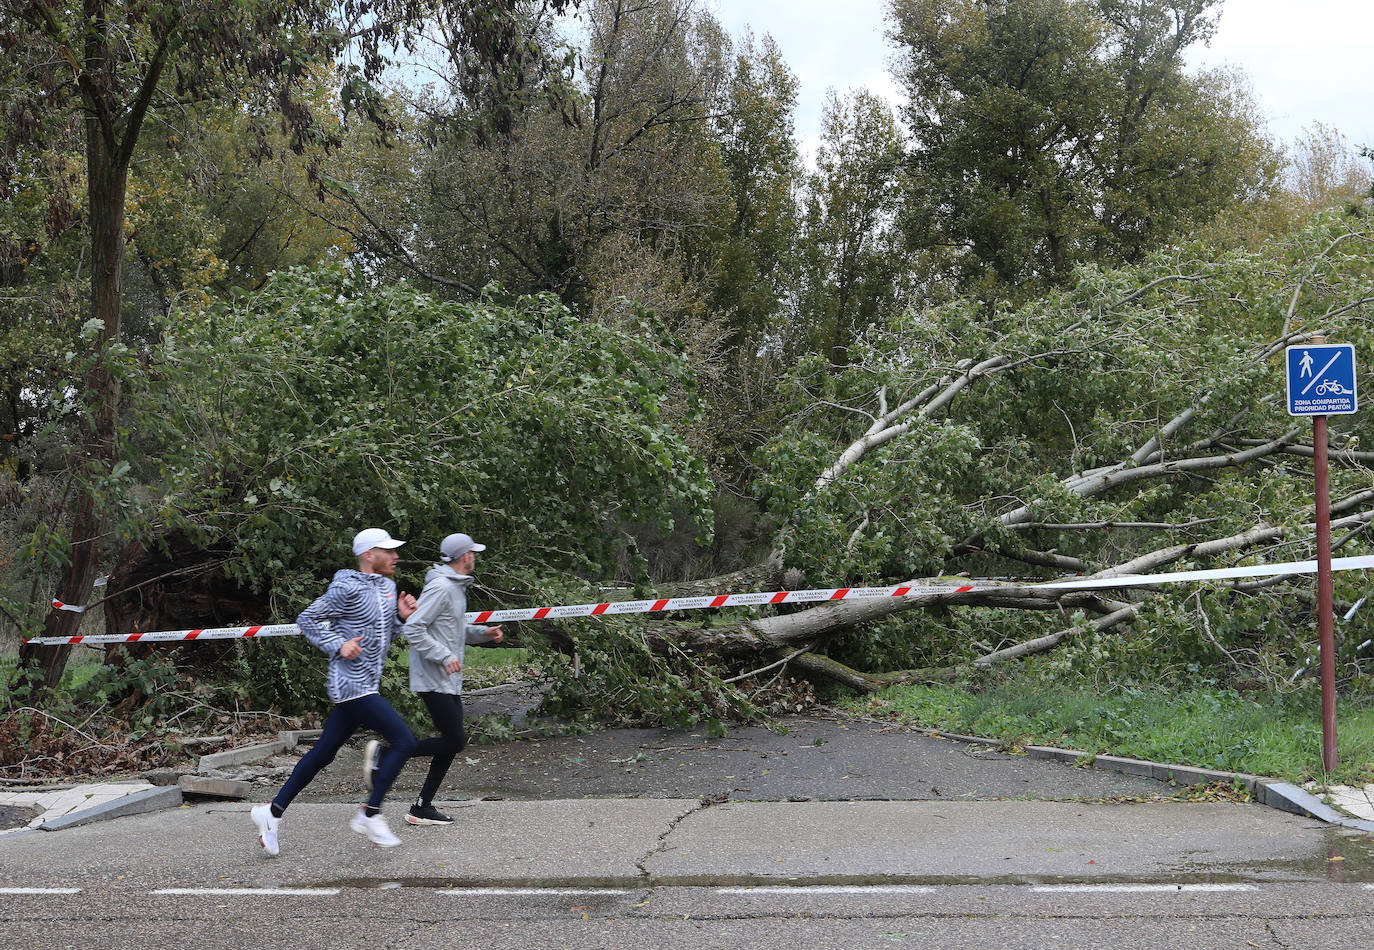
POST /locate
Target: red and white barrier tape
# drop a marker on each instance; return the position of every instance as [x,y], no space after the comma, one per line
[98,582]
[1362,562]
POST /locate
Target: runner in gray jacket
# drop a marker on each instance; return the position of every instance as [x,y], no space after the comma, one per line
[437,633]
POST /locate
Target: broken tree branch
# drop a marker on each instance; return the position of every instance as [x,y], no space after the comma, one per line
[1097,482]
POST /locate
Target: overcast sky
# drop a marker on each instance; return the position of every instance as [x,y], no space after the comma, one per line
[1308,61]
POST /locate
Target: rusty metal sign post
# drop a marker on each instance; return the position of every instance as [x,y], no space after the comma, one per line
[1321,383]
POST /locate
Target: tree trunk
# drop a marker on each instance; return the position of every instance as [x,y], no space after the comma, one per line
[767,575]
[99,449]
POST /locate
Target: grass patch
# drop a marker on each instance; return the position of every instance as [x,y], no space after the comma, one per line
[492,666]
[479,658]
[1205,727]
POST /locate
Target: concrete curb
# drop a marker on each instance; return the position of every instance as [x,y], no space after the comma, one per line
[285,742]
[150,799]
[1271,792]
[1286,796]
[294,737]
[222,788]
[248,753]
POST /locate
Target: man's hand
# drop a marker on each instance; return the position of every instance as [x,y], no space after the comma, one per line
[495,633]
[351,649]
[452,666]
[405,606]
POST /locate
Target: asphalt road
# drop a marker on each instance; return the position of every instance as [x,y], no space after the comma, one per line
[664,873]
[800,758]
[823,834]
[1003,917]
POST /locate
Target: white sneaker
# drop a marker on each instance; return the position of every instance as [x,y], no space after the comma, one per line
[267,828]
[375,828]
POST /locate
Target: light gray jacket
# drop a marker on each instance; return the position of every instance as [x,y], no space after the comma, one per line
[437,631]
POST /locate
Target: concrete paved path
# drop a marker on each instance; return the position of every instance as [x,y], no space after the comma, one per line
[633,843]
[59,803]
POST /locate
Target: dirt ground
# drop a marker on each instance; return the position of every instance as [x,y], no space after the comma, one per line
[11,817]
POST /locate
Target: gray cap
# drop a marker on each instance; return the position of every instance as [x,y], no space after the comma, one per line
[456,545]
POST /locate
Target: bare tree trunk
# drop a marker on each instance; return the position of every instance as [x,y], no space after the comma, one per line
[768,575]
[821,623]
[107,170]
[830,669]
[99,446]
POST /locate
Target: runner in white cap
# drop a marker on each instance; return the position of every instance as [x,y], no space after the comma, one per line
[437,632]
[364,614]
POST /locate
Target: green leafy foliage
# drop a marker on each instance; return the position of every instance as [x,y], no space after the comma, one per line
[617,679]
[1046,133]
[850,265]
[1098,368]
[321,404]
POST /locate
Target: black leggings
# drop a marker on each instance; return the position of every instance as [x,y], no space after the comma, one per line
[446,710]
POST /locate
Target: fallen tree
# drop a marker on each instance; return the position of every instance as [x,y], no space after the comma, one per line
[967,413]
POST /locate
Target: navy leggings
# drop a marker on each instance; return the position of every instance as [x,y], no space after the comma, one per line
[346,719]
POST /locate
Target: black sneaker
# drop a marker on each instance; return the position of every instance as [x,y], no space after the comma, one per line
[427,815]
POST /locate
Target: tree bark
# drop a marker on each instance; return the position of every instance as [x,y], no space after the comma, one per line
[768,575]
[107,170]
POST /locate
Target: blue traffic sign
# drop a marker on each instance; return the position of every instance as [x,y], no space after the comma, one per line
[1321,379]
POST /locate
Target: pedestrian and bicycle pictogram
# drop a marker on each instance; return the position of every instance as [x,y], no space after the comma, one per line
[1321,379]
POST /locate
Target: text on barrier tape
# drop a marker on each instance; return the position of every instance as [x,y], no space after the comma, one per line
[1363,562]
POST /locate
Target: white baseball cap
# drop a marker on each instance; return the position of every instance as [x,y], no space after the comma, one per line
[370,538]
[456,545]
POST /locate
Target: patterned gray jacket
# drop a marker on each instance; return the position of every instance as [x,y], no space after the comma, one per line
[356,605]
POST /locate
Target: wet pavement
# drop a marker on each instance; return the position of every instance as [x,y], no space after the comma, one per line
[12,817]
[819,756]
[619,842]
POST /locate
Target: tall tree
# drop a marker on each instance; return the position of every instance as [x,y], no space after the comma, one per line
[1327,172]
[851,265]
[755,130]
[1051,132]
[533,210]
[674,185]
[670,170]
[41,266]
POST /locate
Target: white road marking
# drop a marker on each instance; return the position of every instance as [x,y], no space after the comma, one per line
[799,890]
[40,890]
[522,891]
[254,891]
[1138,888]
[802,890]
